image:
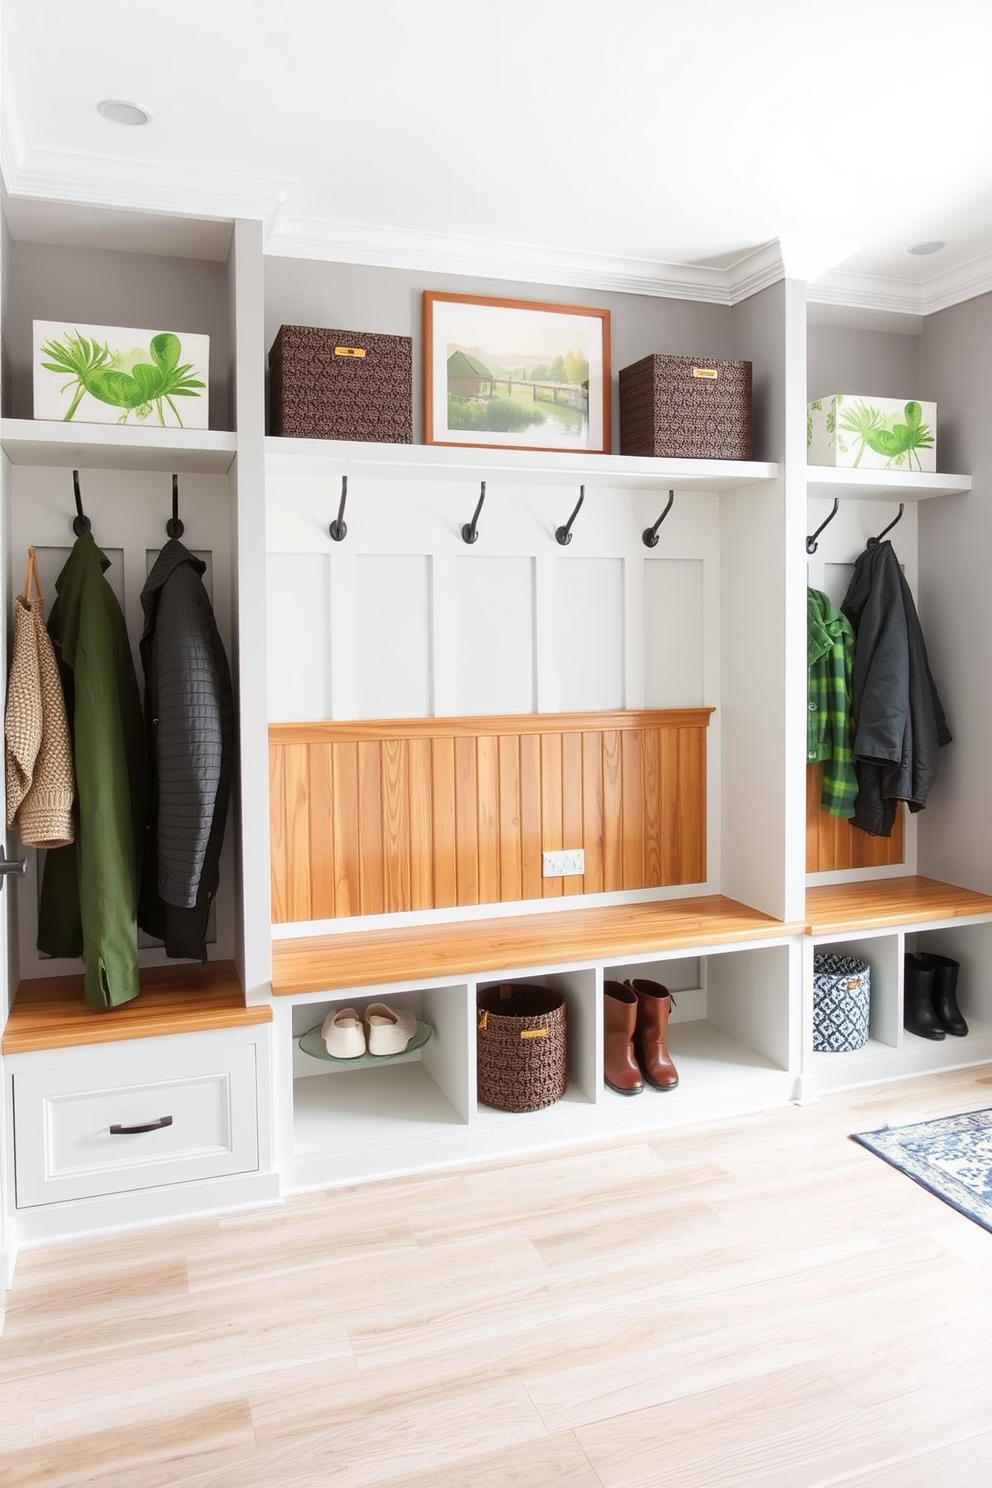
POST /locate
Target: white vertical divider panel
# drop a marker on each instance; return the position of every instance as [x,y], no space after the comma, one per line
[247,311]
[448,1054]
[763,620]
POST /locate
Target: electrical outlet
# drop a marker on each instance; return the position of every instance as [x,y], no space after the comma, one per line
[567,864]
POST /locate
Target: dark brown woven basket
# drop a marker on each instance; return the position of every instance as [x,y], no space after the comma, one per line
[686,408]
[521,1047]
[326,384]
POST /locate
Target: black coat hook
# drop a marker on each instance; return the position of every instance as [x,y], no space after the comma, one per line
[470,530]
[80,522]
[649,537]
[811,542]
[873,540]
[563,535]
[174,526]
[339,527]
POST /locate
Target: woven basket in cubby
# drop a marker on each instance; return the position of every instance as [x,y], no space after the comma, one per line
[520,1047]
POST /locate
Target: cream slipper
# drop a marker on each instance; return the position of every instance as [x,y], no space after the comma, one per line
[343,1034]
[390,1029]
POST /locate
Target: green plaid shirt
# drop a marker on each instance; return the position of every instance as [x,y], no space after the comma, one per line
[830,727]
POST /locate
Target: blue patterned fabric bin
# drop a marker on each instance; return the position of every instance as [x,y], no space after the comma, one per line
[841,987]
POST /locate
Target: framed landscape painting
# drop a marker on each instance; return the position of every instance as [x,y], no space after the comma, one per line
[516,374]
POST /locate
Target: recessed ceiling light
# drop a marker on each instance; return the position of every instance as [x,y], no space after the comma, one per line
[923,248]
[120,112]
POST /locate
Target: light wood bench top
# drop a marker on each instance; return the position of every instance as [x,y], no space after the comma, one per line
[322,963]
[833,909]
[49,1012]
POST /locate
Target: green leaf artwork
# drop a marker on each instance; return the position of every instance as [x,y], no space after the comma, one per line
[897,438]
[141,381]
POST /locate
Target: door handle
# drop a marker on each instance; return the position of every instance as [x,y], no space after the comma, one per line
[11,865]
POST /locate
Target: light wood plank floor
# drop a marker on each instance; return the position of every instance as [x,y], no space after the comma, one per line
[756,1302]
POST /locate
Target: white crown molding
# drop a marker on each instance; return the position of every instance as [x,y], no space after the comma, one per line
[385,247]
[874,292]
[866,292]
[965,282]
[65,176]
[755,271]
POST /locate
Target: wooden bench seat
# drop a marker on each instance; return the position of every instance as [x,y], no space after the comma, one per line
[49,1012]
[327,963]
[836,909]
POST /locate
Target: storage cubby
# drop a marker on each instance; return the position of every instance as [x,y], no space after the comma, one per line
[909,914]
[375,1116]
[971,947]
[731,1032]
[583,1038]
[113,269]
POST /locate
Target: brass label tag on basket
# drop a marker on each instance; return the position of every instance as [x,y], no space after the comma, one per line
[355,351]
[483,1019]
[533,1033]
[711,373]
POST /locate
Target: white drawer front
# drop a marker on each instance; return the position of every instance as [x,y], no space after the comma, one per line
[199,1104]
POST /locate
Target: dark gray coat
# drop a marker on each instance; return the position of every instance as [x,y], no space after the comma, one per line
[189,718]
[899,722]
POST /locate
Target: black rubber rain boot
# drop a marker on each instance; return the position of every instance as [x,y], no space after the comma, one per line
[919,1014]
[945,987]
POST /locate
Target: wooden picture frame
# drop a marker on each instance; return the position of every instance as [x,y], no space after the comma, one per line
[516,374]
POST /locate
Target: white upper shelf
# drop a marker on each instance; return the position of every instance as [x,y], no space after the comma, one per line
[330,457]
[882,485]
[117,447]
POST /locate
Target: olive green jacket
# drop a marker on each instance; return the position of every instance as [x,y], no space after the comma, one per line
[89,889]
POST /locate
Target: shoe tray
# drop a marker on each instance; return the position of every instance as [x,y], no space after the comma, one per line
[313,1044]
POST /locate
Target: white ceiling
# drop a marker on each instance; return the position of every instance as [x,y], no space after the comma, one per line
[667,147]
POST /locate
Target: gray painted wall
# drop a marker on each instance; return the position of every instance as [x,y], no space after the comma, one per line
[877,364]
[955,546]
[353,297]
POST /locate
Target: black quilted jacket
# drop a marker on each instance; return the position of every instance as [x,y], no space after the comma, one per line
[189,717]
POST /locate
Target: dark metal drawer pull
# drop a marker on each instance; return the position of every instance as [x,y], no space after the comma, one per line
[130,1131]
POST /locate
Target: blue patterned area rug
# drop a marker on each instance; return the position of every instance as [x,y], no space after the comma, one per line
[951,1157]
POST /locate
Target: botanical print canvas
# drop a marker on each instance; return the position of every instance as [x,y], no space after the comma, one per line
[119,375]
[871,433]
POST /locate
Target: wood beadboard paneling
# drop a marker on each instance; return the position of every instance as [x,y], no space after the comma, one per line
[425,813]
[831,841]
[49,1012]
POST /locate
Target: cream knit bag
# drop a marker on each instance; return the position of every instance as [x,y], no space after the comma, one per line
[41,785]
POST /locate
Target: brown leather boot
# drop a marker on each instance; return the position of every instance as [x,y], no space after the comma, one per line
[619,1017]
[654,1003]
